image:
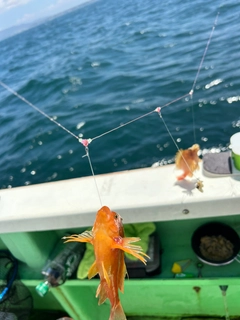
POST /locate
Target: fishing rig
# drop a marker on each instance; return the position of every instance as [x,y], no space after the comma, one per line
[86,142]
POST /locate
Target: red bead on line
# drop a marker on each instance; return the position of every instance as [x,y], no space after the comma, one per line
[85,142]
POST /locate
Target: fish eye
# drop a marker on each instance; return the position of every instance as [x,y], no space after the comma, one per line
[116,216]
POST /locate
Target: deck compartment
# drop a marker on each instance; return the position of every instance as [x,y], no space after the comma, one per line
[30,230]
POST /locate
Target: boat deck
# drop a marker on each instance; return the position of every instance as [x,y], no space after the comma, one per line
[150,194]
[34,217]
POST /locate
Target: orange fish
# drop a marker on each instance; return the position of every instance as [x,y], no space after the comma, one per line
[107,238]
[187,161]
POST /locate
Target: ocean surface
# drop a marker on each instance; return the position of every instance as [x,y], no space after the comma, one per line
[107,63]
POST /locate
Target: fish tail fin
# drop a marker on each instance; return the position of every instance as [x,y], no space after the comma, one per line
[182,175]
[117,312]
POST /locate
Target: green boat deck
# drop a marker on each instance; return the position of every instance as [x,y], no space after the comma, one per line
[158,296]
[30,227]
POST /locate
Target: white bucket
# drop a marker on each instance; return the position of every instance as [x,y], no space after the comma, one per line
[235,145]
[235,139]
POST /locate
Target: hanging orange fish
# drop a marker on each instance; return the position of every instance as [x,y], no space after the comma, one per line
[107,238]
[187,161]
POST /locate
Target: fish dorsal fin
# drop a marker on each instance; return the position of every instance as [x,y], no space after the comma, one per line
[93,271]
[86,236]
[105,275]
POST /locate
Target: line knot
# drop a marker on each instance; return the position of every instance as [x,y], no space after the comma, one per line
[158,110]
[85,142]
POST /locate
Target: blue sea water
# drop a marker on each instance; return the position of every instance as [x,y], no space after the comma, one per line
[107,63]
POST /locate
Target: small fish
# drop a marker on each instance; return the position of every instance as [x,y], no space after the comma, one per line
[187,161]
[107,238]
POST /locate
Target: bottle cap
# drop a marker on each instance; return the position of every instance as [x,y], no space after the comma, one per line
[184,275]
[42,288]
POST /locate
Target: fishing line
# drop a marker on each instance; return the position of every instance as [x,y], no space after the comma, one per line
[198,72]
[193,122]
[140,117]
[204,53]
[161,117]
[70,132]
[37,109]
[199,184]
[123,125]
[91,167]
[177,99]
[86,142]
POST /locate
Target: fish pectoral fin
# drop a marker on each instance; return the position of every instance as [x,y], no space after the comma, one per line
[105,275]
[136,251]
[93,271]
[86,236]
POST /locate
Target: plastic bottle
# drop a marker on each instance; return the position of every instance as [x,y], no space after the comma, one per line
[65,260]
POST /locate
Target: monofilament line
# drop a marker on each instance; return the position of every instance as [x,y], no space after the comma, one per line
[71,133]
[198,72]
[175,100]
[204,54]
[131,121]
[140,117]
[92,171]
[123,125]
[171,136]
[37,109]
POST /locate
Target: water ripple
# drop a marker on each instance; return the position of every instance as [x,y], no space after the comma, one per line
[110,62]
